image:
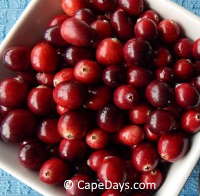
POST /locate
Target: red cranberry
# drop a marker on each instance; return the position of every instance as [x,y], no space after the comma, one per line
[196,50]
[132,7]
[105,5]
[140,114]
[191,121]
[186,95]
[69,94]
[183,48]
[161,122]
[109,51]
[28,77]
[110,118]
[45,79]
[17,125]
[154,176]
[197,66]
[196,83]
[145,157]
[174,109]
[165,74]
[77,32]
[17,58]
[111,193]
[173,146]
[58,20]
[54,171]
[150,135]
[151,14]
[85,15]
[13,92]
[40,100]
[62,110]
[72,149]
[4,110]
[169,31]
[125,97]
[73,125]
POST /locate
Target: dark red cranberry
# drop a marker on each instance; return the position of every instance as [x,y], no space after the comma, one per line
[173,146]
[110,118]
[183,48]
[145,157]
[105,5]
[28,77]
[32,155]
[17,58]
[196,50]
[191,121]
[54,171]
[69,94]
[62,110]
[13,92]
[40,100]
[45,79]
[186,95]
[161,122]
[4,110]
[165,74]
[85,15]
[197,67]
[150,135]
[196,83]
[17,125]
[151,14]
[169,31]
[111,193]
[109,51]
[132,7]
[174,109]
[58,20]
[125,97]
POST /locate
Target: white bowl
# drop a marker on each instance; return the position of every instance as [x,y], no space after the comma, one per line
[30,28]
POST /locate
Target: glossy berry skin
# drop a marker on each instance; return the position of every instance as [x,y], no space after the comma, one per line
[17,58]
[158,94]
[151,14]
[69,94]
[154,176]
[54,171]
[58,20]
[151,136]
[190,121]
[161,122]
[45,79]
[165,74]
[32,155]
[48,132]
[169,31]
[144,157]
[183,48]
[4,110]
[186,95]
[44,58]
[62,110]
[13,92]
[111,193]
[173,146]
[106,5]
[40,100]
[131,135]
[109,51]
[72,149]
[87,71]
[125,97]
[140,114]
[97,139]
[195,49]
[85,15]
[110,118]
[17,125]
[73,125]
[76,32]
[146,29]
[132,7]
[28,77]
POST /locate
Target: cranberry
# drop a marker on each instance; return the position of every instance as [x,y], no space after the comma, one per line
[132,7]
[191,121]
[137,51]
[45,79]
[196,50]
[28,77]
[145,157]
[69,94]
[13,92]
[174,109]
[165,74]
[161,122]
[17,58]
[48,132]
[111,193]
[110,118]
[77,32]
[4,110]
[140,114]
[58,20]
[150,135]
[73,125]
[138,76]
[87,71]
[183,48]
[17,125]
[151,14]
[62,110]
[72,149]
[154,176]
[169,31]
[105,5]
[54,171]
[197,66]
[109,51]
[40,100]
[85,15]
[173,146]
[196,83]
[186,95]
[32,155]
[125,97]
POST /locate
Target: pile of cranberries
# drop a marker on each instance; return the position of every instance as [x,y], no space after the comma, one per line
[112,92]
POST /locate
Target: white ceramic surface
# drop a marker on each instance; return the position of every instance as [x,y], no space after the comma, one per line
[29,29]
